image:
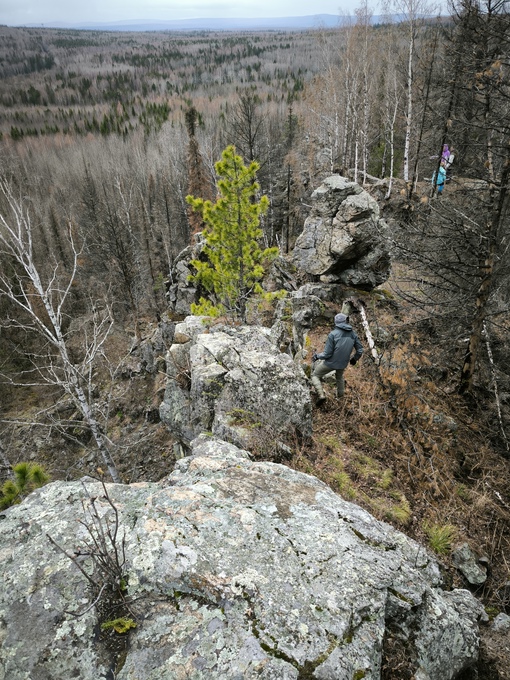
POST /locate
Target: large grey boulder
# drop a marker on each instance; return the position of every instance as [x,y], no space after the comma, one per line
[235,570]
[232,381]
[343,239]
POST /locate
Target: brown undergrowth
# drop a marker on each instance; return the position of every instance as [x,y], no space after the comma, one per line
[411,451]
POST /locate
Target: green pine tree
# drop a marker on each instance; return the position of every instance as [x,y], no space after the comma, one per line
[27,477]
[234,264]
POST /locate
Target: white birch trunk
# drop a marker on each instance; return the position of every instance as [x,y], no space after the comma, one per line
[369,336]
[392,148]
[356,158]
[347,114]
[337,132]
[409,114]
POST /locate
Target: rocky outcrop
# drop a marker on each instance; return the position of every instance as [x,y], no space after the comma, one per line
[343,239]
[234,569]
[232,381]
[181,292]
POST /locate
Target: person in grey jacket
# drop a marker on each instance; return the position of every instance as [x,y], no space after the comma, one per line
[337,352]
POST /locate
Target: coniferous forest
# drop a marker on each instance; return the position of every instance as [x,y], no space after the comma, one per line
[103,135]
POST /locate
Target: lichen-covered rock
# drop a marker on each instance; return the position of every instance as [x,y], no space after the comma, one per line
[501,623]
[182,292]
[343,239]
[153,348]
[238,381]
[467,563]
[236,570]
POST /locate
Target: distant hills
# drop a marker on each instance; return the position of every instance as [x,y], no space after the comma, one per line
[271,24]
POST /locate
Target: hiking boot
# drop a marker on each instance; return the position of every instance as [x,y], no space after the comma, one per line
[321,400]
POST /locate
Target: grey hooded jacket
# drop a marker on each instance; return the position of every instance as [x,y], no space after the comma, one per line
[339,346]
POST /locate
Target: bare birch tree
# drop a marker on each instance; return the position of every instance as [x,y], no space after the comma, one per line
[391,118]
[42,296]
[364,18]
[412,13]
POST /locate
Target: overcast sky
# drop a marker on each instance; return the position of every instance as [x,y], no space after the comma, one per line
[19,12]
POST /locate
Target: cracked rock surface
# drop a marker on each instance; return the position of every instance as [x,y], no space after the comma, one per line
[238,381]
[343,238]
[238,570]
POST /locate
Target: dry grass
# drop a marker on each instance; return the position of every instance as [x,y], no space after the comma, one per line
[408,449]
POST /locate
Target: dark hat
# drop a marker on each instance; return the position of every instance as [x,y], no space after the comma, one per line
[340,318]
